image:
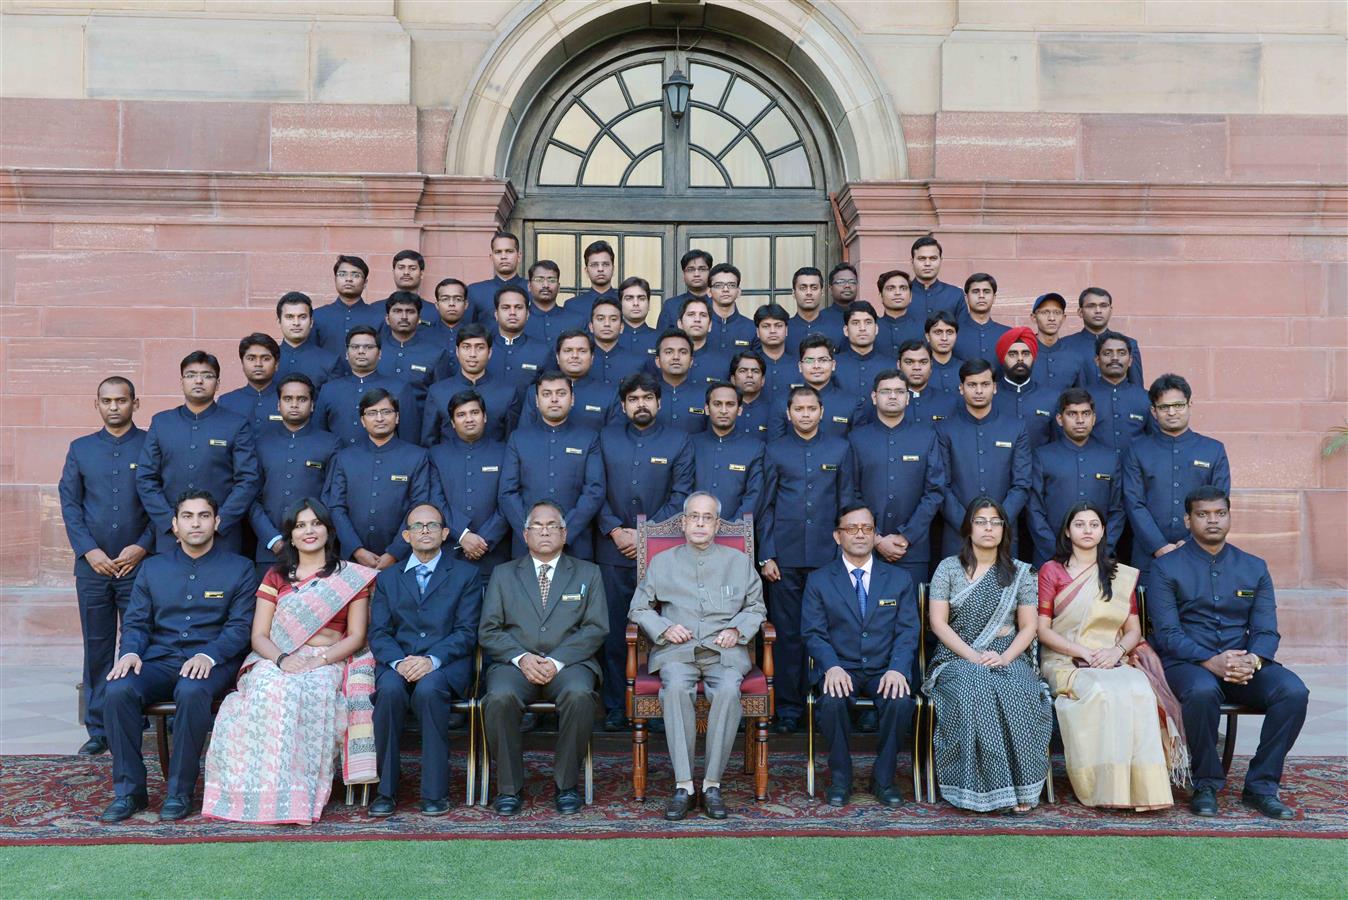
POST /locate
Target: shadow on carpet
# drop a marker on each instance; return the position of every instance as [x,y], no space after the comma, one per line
[57,800]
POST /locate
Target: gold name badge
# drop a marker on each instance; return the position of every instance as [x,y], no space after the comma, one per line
[529,366]
[274,418]
[213,595]
[415,368]
[841,420]
[216,442]
[570,598]
[1101,476]
[1203,464]
[828,467]
[736,467]
[741,343]
[491,468]
[591,408]
[911,457]
[1042,412]
[659,461]
[889,602]
[697,411]
[1135,417]
[132,465]
[397,478]
[1005,445]
[1245,594]
[575,450]
[313,464]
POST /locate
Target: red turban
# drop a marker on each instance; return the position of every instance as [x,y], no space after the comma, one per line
[1021,335]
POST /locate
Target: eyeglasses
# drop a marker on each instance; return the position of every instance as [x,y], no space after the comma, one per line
[545,527]
[539,279]
[700,518]
[199,376]
[379,413]
[892,392]
[349,276]
[416,527]
[816,360]
[1170,407]
[843,282]
[989,523]
[854,530]
[723,285]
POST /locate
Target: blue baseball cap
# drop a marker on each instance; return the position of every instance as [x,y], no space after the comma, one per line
[1045,298]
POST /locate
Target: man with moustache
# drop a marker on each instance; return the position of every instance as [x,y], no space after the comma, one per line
[648,470]
[1095,305]
[374,483]
[556,460]
[407,350]
[613,361]
[338,409]
[473,349]
[1073,468]
[109,532]
[184,635]
[978,333]
[547,319]
[858,361]
[256,400]
[1121,405]
[334,321]
[409,267]
[748,374]
[709,363]
[505,263]
[728,456]
[465,478]
[596,403]
[930,294]
[300,350]
[451,307]
[696,268]
[680,396]
[898,322]
[925,403]
[841,408]
[295,457]
[1019,391]
[782,370]
[731,330]
[807,289]
[516,358]
[1163,466]
[198,446]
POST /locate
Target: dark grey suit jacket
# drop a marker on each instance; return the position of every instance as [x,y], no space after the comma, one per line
[572,628]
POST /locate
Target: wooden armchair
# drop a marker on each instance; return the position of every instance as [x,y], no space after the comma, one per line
[643,688]
[924,722]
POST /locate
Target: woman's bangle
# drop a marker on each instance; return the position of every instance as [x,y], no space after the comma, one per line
[279,658]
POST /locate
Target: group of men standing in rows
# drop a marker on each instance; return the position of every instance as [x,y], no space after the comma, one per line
[490,397]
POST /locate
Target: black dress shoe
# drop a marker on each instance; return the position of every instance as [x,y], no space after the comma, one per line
[616,720]
[786,725]
[838,795]
[382,807]
[1203,802]
[713,804]
[123,808]
[528,722]
[868,721]
[1267,804]
[174,809]
[569,801]
[434,807]
[888,795]
[678,806]
[93,747]
[507,804]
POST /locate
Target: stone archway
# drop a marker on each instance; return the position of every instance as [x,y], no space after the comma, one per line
[810,38]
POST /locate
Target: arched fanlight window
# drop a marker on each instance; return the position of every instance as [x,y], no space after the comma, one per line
[612,135]
[740,137]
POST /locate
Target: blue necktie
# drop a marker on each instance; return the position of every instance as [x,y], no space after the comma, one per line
[859,574]
[423,577]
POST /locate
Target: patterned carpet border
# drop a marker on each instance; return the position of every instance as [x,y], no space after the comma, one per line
[55,800]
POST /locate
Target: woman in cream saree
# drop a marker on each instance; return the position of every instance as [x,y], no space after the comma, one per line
[1121,741]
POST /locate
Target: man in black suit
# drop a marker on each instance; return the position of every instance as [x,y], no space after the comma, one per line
[860,624]
[543,621]
[422,629]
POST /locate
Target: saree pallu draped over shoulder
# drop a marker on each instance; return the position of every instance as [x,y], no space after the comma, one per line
[1121,744]
[277,738]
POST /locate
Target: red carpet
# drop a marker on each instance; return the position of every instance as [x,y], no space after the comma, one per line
[57,799]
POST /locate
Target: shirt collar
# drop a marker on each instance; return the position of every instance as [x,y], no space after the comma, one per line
[538,564]
[413,562]
[866,567]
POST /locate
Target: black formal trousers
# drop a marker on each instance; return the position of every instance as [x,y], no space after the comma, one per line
[508,692]
[158,682]
[1274,689]
[429,697]
[788,651]
[620,583]
[835,724]
[102,602]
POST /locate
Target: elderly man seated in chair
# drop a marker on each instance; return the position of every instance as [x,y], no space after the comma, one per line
[700,604]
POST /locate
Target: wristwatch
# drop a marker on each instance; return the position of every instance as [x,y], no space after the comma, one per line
[1258,661]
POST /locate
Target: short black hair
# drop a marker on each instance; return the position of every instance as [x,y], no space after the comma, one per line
[572,333]
[412,255]
[806,272]
[638,381]
[717,385]
[509,289]
[197,495]
[446,282]
[940,317]
[293,297]
[1108,335]
[842,267]
[465,397]
[695,254]
[976,278]
[672,333]
[470,331]
[353,261]
[377,395]
[505,234]
[858,308]
[771,311]
[811,341]
[606,301]
[596,247]
[1204,493]
[926,241]
[974,367]
[723,269]
[402,298]
[367,330]
[1074,396]
[689,301]
[546,264]
[1098,292]
[846,510]
[635,281]
[886,375]
[259,339]
[910,345]
[117,379]
[892,273]
[200,358]
[802,389]
[1169,382]
[297,378]
[741,356]
[551,375]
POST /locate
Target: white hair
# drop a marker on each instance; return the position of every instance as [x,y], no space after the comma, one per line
[688,501]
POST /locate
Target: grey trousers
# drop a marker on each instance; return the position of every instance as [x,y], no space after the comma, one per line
[678,692]
[574,690]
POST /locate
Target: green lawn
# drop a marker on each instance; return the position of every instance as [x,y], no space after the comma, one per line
[790,868]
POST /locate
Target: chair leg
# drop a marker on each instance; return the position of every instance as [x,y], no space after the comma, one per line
[350,794]
[639,759]
[589,773]
[470,787]
[917,753]
[929,753]
[162,742]
[761,760]
[1229,745]
[809,745]
[484,767]
[365,794]
[1048,780]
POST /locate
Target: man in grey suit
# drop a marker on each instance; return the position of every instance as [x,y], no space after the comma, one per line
[544,619]
[700,604]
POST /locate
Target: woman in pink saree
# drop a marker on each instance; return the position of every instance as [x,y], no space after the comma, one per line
[304,696]
[1120,724]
